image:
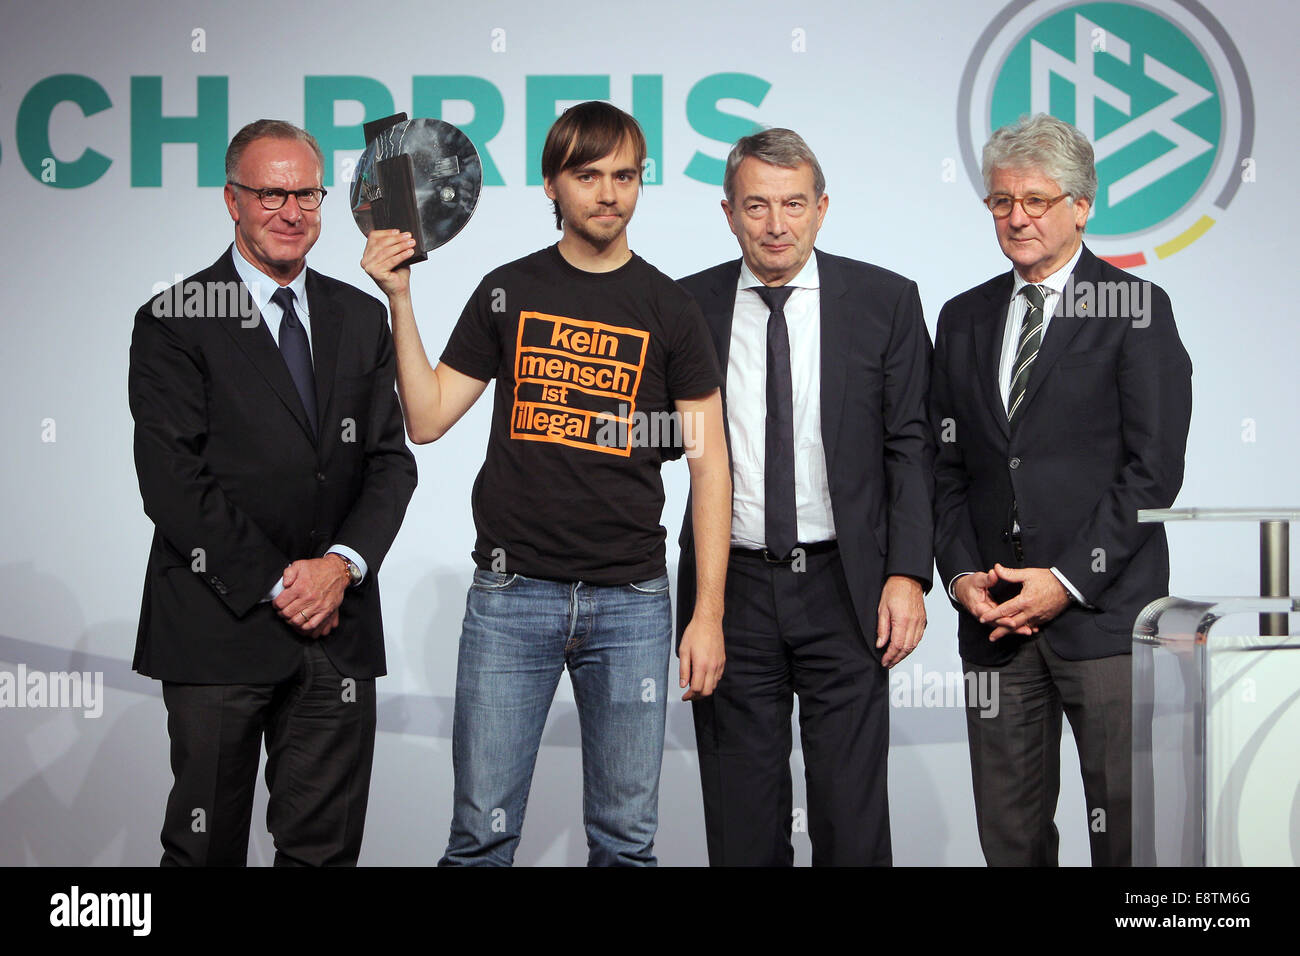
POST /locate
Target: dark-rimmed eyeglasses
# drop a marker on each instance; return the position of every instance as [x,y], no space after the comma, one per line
[273,198]
[1035,207]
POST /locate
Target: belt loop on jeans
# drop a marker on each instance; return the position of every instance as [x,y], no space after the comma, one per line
[805,550]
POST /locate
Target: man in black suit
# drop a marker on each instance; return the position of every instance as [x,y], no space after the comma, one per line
[826,363]
[1061,398]
[271,458]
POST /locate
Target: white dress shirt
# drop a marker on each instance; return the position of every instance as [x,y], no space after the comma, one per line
[747,409]
[261,286]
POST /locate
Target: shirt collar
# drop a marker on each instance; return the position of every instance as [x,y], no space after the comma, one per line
[262,286]
[806,278]
[1053,283]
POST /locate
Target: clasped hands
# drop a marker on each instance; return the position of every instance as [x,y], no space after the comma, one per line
[313,591]
[1041,598]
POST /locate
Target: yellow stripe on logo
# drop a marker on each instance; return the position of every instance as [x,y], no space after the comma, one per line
[1185,239]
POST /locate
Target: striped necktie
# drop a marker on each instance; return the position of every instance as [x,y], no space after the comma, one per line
[1031,339]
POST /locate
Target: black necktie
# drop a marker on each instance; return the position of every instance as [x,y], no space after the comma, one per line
[780,523]
[297,352]
[1031,339]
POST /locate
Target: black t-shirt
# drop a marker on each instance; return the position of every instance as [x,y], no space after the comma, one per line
[588,366]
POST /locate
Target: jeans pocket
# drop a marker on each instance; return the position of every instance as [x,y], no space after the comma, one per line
[657,585]
[492,580]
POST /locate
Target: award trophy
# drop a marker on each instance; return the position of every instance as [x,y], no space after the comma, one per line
[419,175]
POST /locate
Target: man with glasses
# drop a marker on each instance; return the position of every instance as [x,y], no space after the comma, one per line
[271,460]
[1060,402]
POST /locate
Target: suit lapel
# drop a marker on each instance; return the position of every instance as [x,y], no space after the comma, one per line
[718,313]
[834,352]
[719,309]
[259,346]
[1062,330]
[326,330]
[988,350]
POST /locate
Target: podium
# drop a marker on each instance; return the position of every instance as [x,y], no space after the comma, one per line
[1216,715]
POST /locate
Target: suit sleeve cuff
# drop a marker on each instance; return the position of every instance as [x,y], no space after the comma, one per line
[352,556]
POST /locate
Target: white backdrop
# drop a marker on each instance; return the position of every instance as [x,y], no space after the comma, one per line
[873,87]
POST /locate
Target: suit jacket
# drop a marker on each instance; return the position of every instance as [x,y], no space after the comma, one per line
[238,487]
[1102,433]
[875,354]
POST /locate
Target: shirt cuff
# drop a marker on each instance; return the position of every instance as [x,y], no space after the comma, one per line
[275,590]
[351,555]
[1070,588]
[951,594]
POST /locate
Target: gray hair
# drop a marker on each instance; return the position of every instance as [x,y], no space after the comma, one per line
[267,129]
[1046,143]
[780,147]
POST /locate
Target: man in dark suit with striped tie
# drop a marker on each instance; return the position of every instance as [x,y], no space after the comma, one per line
[272,462]
[1060,402]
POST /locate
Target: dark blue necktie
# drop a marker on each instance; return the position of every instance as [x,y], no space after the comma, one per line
[780,518]
[297,352]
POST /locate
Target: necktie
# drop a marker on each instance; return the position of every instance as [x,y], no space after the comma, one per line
[1031,339]
[780,524]
[297,352]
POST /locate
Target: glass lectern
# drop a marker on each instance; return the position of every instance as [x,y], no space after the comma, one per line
[1216,715]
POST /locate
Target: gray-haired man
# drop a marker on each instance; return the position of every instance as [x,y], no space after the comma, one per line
[1060,399]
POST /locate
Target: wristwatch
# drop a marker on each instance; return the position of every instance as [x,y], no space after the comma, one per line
[354,572]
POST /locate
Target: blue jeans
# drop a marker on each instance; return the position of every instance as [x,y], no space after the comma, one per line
[518,636]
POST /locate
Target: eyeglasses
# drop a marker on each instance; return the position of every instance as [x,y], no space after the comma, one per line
[308,199]
[1035,207]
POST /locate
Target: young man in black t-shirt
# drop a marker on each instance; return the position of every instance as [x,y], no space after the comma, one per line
[592,349]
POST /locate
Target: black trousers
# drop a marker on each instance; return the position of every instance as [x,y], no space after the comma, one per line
[793,632]
[1015,754]
[320,743]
